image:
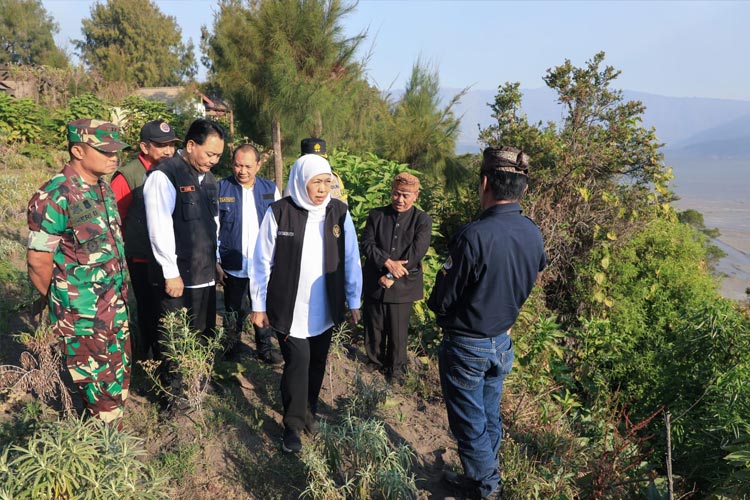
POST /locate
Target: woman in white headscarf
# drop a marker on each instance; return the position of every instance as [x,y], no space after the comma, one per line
[306,268]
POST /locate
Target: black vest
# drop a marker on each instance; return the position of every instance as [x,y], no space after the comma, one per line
[195,208]
[136,230]
[284,280]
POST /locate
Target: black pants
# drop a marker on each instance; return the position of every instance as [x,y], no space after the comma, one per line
[304,370]
[201,306]
[237,304]
[386,329]
[147,301]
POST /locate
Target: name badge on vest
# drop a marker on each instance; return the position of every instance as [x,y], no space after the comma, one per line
[226,199]
[285,233]
[336,230]
[268,196]
[187,189]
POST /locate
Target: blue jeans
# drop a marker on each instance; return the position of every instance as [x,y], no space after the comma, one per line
[472,372]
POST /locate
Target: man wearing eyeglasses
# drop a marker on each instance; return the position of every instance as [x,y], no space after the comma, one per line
[395,239]
[244,198]
[182,211]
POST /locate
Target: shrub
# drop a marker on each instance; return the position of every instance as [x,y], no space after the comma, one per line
[189,360]
[82,459]
[356,460]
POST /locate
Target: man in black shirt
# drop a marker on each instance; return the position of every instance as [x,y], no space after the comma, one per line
[395,239]
[492,267]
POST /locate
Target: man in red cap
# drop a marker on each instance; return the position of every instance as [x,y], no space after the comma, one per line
[157,144]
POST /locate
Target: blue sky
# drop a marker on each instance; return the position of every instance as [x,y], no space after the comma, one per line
[675,48]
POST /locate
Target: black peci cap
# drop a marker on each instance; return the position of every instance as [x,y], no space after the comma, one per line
[313,146]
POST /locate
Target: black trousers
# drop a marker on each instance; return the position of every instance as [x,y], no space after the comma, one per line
[201,306]
[386,329]
[147,299]
[304,370]
[237,303]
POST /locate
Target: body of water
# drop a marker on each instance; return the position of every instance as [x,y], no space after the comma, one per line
[720,190]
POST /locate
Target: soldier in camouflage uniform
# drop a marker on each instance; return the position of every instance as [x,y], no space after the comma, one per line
[76,258]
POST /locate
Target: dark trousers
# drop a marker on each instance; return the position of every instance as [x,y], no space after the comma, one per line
[304,369]
[201,306]
[237,305]
[386,329]
[147,299]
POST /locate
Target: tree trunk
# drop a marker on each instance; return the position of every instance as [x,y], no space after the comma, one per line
[278,160]
[318,130]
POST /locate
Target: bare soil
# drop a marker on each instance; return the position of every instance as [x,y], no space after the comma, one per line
[233,451]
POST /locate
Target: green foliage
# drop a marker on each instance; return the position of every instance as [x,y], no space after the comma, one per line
[135,111]
[418,131]
[596,178]
[21,120]
[356,460]
[178,462]
[288,64]
[190,359]
[26,35]
[133,41]
[78,459]
[663,338]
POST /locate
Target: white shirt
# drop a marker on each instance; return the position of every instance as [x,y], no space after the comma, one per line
[160,197]
[311,314]
[249,230]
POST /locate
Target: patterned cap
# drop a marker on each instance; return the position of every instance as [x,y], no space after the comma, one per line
[505,159]
[98,134]
[313,146]
[406,182]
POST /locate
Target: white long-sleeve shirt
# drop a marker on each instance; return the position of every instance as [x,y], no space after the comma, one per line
[311,314]
[249,230]
[160,197]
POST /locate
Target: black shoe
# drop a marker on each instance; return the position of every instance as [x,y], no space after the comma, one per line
[271,357]
[466,488]
[371,367]
[291,443]
[398,378]
[312,426]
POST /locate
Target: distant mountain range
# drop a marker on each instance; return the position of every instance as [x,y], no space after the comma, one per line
[688,126]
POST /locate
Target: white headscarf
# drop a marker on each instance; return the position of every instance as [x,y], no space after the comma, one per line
[304,169]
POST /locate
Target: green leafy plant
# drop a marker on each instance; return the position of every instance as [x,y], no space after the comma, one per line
[189,358]
[356,460]
[82,459]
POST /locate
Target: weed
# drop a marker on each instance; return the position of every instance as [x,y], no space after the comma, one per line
[40,368]
[82,459]
[366,397]
[190,360]
[179,462]
[356,460]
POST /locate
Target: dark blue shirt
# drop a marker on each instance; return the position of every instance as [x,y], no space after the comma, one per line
[493,265]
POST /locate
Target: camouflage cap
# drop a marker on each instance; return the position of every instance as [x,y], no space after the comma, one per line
[98,134]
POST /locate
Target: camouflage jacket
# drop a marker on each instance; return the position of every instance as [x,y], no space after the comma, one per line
[80,225]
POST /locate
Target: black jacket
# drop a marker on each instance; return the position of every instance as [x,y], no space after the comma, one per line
[398,236]
[492,268]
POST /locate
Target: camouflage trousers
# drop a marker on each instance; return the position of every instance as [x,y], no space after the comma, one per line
[100,367]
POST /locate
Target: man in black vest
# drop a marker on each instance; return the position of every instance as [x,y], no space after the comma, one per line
[493,265]
[157,144]
[182,210]
[395,239]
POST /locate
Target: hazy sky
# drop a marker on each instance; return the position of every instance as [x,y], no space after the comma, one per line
[675,48]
